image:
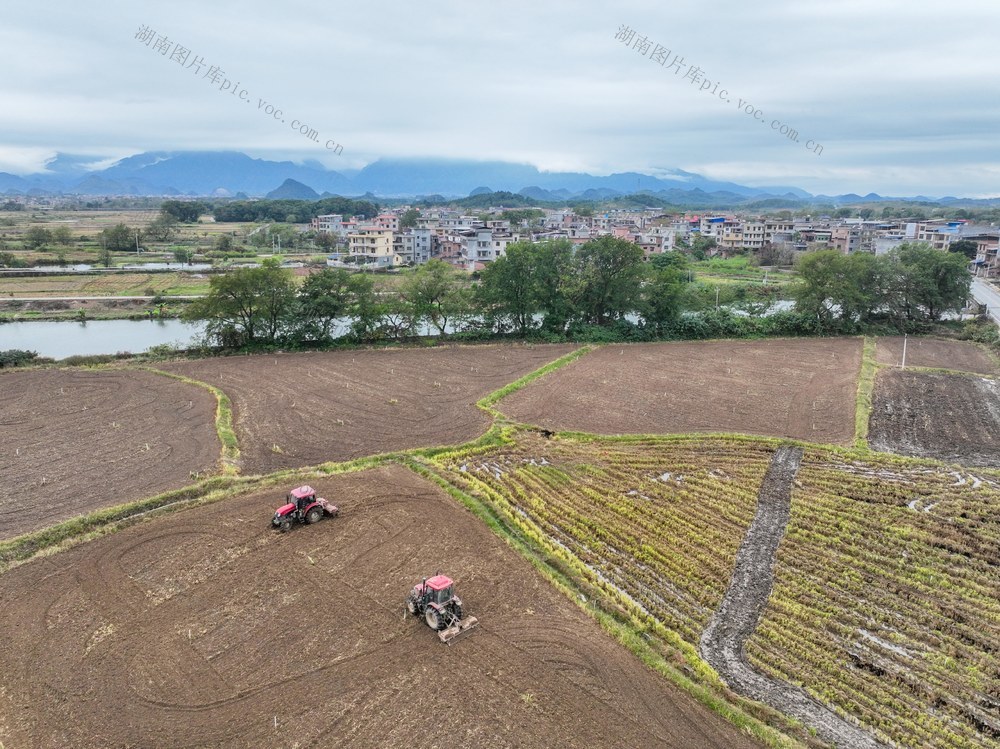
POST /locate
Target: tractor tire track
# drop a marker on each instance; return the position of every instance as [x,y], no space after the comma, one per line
[723,641]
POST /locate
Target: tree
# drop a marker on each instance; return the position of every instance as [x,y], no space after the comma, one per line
[324,298]
[701,246]
[183,255]
[326,240]
[833,285]
[409,218]
[63,236]
[223,243]
[676,260]
[965,247]
[507,292]
[611,272]
[364,308]
[162,228]
[661,296]
[436,294]
[119,238]
[933,282]
[104,256]
[37,237]
[556,283]
[185,211]
[516,216]
[247,305]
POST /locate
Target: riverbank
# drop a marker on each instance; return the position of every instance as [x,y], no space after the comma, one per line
[96,308]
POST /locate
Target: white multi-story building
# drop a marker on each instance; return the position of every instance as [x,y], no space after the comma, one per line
[373,246]
[414,246]
[987,262]
[481,246]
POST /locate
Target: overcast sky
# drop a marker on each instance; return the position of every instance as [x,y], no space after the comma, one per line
[900,95]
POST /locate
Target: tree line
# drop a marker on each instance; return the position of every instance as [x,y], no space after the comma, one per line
[914,282]
[602,290]
[292,211]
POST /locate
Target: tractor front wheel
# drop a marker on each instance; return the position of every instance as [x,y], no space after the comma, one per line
[314,515]
[411,606]
[286,524]
[433,618]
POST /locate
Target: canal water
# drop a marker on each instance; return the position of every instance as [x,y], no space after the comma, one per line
[57,340]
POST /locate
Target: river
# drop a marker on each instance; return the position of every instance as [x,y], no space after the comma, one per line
[57,340]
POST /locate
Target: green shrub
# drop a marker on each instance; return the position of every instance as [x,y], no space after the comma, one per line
[91,360]
[16,357]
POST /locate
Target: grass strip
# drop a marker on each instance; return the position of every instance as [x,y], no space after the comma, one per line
[863,401]
[92,524]
[223,421]
[487,403]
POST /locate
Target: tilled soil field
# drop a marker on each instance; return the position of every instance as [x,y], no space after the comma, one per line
[205,628]
[295,410]
[949,417]
[963,356]
[72,441]
[800,388]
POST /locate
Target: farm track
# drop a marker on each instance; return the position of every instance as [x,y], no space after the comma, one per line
[723,641]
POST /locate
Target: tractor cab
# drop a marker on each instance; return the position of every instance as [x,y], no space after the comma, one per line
[439,589]
[302,506]
[434,599]
[302,497]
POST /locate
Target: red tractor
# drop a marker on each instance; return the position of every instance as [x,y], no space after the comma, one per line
[434,599]
[303,506]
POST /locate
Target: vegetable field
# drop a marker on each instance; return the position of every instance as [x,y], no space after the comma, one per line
[657,521]
[886,602]
[887,598]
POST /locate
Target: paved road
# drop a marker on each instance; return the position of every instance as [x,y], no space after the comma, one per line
[987,294]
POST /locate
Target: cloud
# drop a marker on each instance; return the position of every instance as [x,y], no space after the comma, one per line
[895,110]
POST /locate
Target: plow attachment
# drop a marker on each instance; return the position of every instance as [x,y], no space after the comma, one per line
[458,630]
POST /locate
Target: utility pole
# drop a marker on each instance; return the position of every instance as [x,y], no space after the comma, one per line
[903,365]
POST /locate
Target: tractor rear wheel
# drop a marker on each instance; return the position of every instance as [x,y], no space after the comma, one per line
[433,618]
[456,610]
[314,515]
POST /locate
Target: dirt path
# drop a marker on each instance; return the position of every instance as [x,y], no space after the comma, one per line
[723,641]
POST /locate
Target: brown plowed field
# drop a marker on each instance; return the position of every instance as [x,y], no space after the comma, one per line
[295,410]
[800,388]
[963,356]
[72,441]
[949,417]
[207,629]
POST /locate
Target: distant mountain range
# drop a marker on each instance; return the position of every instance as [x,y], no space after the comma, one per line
[230,173]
